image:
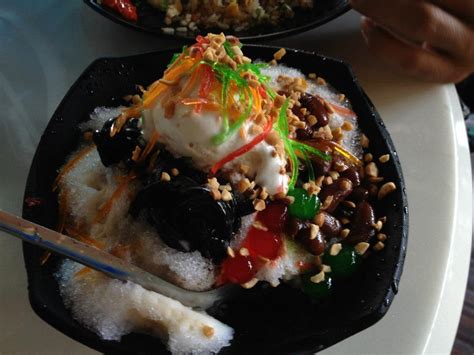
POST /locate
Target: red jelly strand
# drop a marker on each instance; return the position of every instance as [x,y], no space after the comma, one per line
[205,85]
[243,149]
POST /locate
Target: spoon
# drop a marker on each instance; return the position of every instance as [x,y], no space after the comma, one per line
[104,262]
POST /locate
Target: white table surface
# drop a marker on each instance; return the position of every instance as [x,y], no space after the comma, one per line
[45,45]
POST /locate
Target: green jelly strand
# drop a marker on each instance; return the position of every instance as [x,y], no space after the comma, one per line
[221,137]
[229,50]
[282,128]
[270,92]
[225,119]
[344,264]
[283,119]
[304,206]
[309,166]
[176,56]
[294,163]
[307,148]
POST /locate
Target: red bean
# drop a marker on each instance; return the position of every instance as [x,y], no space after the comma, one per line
[359,194]
[331,226]
[339,190]
[352,174]
[362,224]
[316,107]
[315,246]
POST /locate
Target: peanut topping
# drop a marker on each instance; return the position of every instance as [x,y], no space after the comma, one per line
[364,141]
[243,185]
[244,252]
[371,170]
[259,205]
[279,54]
[349,204]
[226,195]
[165,176]
[259,225]
[216,194]
[328,180]
[379,246]
[345,232]
[361,248]
[250,284]
[263,193]
[174,172]
[320,81]
[368,157]
[317,278]
[312,120]
[213,183]
[255,130]
[208,331]
[273,138]
[335,249]
[384,158]
[311,188]
[230,252]
[327,202]
[378,226]
[386,188]
[319,219]
[334,175]
[326,268]
[319,181]
[347,126]
[244,169]
[279,101]
[313,232]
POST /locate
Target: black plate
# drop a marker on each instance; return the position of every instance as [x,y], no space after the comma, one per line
[151,20]
[266,320]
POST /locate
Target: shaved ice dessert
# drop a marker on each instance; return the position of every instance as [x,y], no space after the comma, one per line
[223,171]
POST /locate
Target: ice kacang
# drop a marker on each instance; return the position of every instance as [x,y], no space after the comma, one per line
[223,171]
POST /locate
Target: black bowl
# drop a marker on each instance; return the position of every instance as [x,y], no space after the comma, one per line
[151,20]
[266,320]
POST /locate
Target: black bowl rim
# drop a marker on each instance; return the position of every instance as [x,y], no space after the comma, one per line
[256,38]
[364,322]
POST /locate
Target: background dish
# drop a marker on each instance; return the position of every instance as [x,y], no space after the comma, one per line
[286,321]
[151,20]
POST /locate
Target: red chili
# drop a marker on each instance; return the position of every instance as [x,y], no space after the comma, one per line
[123,7]
[244,149]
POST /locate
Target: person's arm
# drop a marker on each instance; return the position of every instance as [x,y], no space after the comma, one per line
[432,40]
